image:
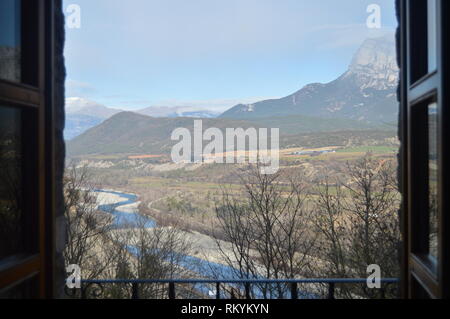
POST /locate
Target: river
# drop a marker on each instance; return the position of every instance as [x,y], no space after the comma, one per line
[126,219]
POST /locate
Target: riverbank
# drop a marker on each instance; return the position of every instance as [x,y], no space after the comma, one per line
[205,249]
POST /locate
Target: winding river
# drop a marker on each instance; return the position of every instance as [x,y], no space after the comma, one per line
[125,219]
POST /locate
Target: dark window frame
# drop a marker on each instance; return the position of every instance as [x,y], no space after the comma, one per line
[423,277]
[34,97]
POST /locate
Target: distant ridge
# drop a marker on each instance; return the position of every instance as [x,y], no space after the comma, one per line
[83,114]
[81,106]
[365,92]
[177,111]
[132,133]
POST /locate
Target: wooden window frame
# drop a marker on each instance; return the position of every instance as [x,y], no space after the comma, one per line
[36,97]
[422,278]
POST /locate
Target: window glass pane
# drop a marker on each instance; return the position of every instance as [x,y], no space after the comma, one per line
[11,219]
[432,35]
[418,38]
[10,40]
[25,290]
[433,178]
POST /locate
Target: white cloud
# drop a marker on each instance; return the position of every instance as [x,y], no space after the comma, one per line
[78,88]
[351,35]
[217,105]
[75,104]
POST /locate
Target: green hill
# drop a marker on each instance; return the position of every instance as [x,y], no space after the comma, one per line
[132,133]
[298,124]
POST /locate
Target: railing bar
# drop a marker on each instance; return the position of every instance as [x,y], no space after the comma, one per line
[135,290]
[171,290]
[331,290]
[294,291]
[247,291]
[331,282]
[218,290]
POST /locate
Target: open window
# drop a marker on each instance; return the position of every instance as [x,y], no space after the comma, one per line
[27,149]
[25,210]
[425,119]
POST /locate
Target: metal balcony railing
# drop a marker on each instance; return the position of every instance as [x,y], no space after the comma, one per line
[232,289]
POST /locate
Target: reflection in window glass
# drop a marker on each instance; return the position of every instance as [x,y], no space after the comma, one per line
[432,35]
[25,290]
[433,179]
[10,43]
[10,183]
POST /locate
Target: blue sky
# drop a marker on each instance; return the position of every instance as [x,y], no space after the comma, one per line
[211,53]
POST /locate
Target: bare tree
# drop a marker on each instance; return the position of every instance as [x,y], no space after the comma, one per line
[267,226]
[151,253]
[133,250]
[87,229]
[358,222]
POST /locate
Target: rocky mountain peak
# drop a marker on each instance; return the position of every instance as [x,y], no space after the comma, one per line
[365,92]
[374,65]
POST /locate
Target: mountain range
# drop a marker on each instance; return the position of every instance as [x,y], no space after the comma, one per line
[133,133]
[177,111]
[363,98]
[83,114]
[365,92]
[130,132]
